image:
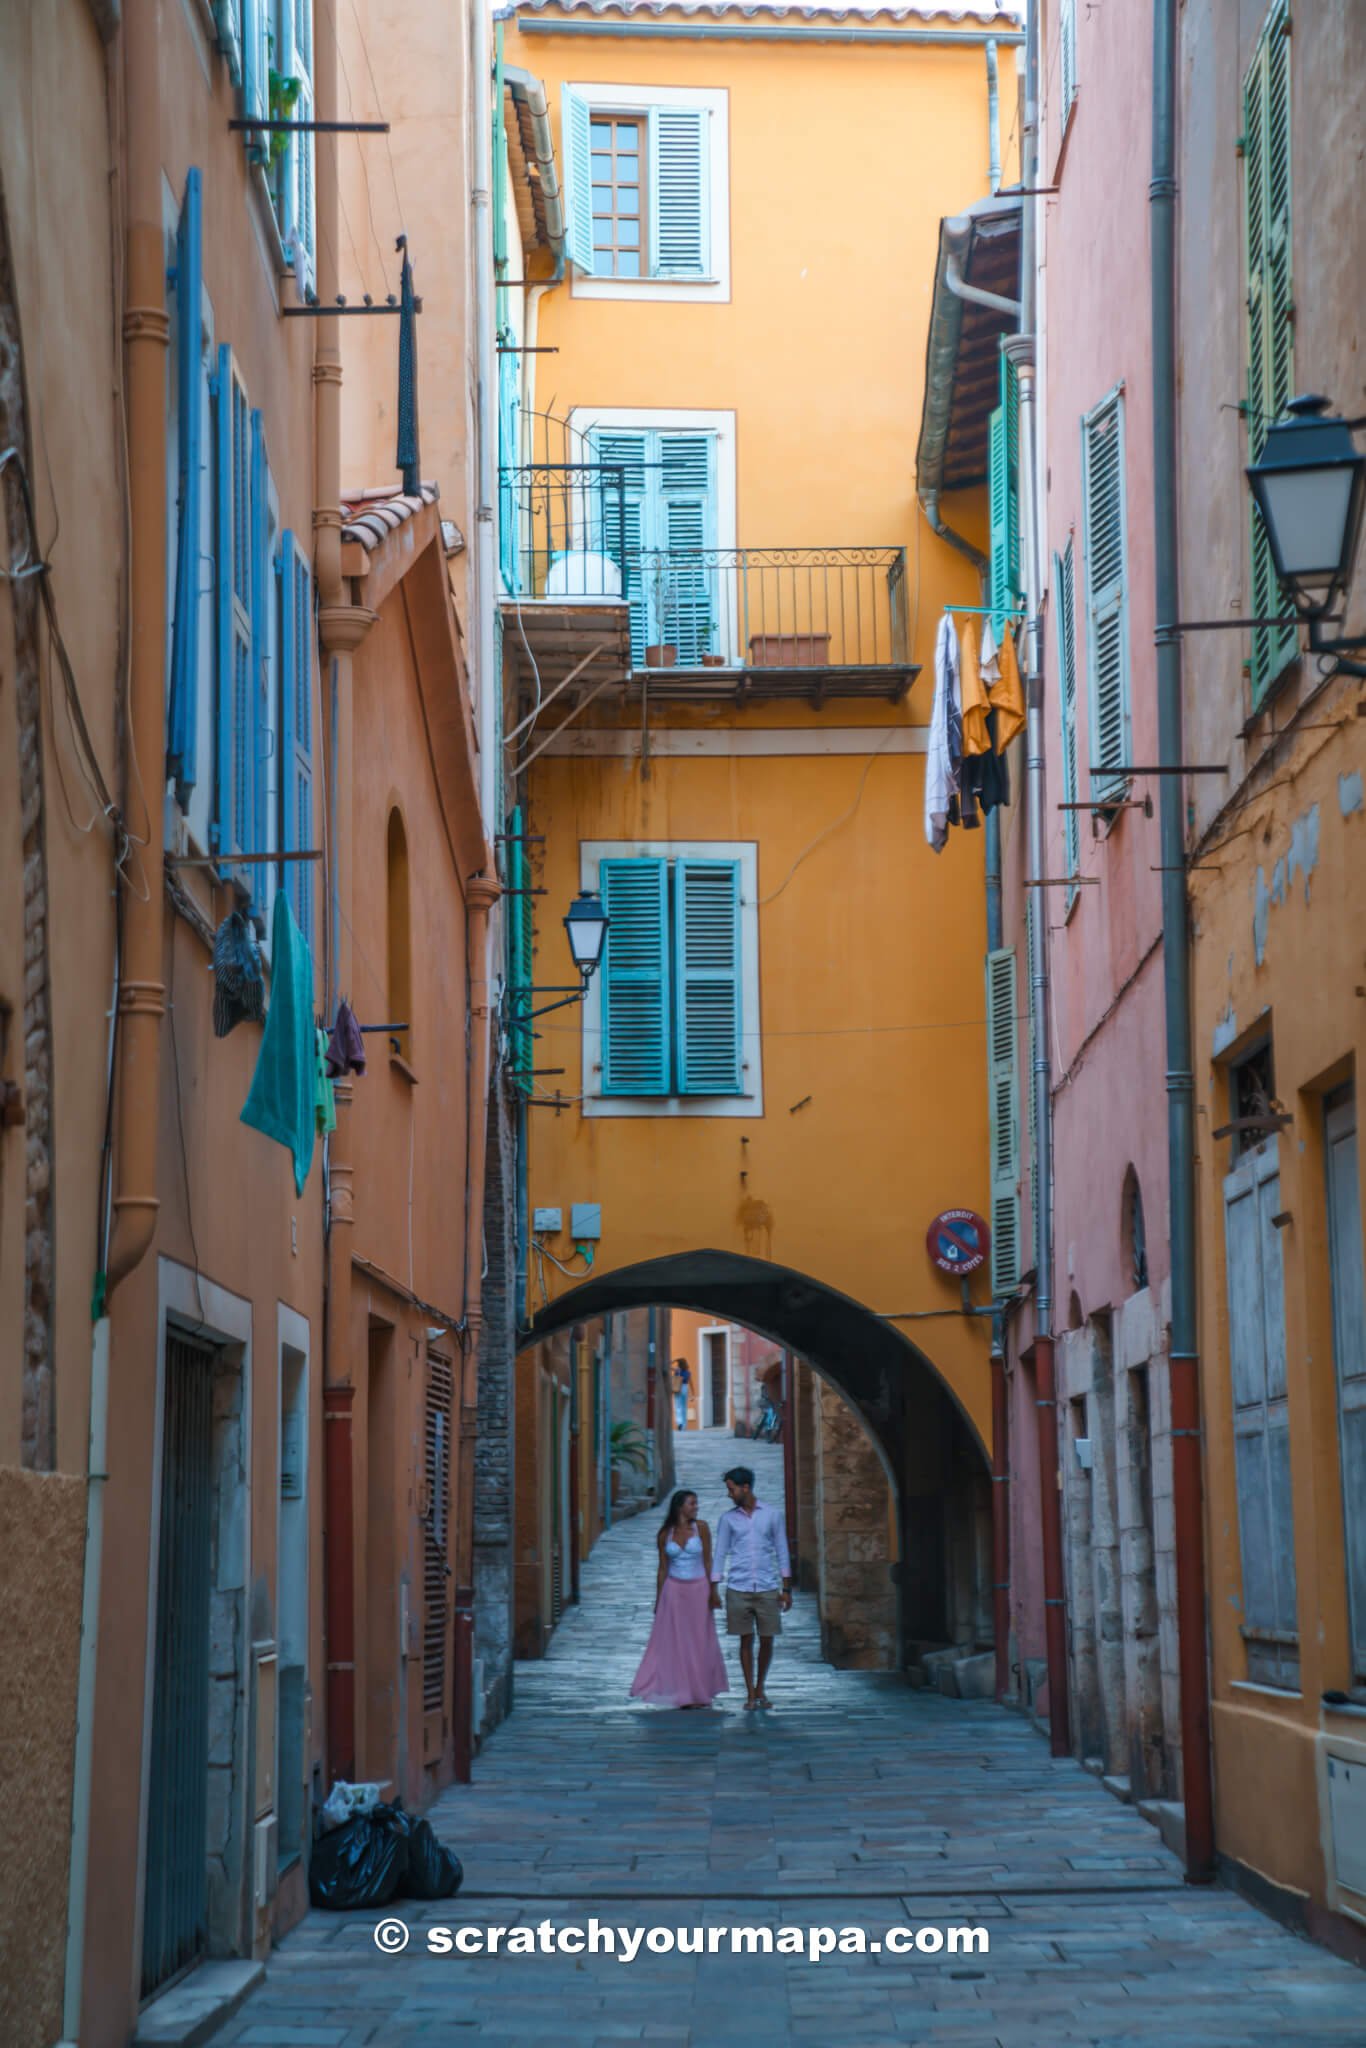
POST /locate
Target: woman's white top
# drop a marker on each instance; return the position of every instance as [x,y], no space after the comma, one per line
[685,1560]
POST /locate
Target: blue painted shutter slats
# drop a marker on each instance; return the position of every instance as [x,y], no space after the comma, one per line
[258,707]
[578,179]
[688,609]
[623,523]
[182,725]
[298,761]
[707,979]
[255,73]
[234,783]
[223,601]
[284,583]
[678,179]
[1003,492]
[227,16]
[509,420]
[635,986]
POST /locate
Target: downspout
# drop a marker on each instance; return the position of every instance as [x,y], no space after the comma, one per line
[1000,1405]
[1184,1361]
[993,122]
[486,423]
[146,333]
[1045,1385]
[929,505]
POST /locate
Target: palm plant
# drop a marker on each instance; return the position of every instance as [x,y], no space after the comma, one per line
[628,1447]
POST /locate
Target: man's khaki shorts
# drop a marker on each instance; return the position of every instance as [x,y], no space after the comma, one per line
[748,1613]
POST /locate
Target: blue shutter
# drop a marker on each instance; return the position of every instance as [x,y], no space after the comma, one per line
[578,179]
[234,781]
[183,721]
[297,766]
[707,981]
[258,707]
[678,192]
[686,487]
[509,414]
[624,523]
[227,16]
[223,601]
[635,977]
[284,611]
[520,944]
[256,74]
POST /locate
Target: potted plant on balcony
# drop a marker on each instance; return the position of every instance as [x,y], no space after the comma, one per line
[661,653]
[710,658]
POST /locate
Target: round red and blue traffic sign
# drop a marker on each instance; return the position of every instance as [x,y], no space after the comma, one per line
[958,1241]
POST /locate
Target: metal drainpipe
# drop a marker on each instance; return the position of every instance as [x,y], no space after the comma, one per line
[929,505]
[1045,1388]
[993,121]
[1184,1362]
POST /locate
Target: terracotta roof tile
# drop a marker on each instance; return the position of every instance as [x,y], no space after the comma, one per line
[369,517]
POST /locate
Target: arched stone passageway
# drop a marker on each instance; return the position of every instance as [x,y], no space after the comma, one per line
[939,1556]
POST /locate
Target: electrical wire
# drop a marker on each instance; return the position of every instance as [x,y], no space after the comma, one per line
[836,823]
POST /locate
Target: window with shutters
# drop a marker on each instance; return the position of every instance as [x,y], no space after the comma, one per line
[1347,1284]
[1064,583]
[1067,58]
[1003,493]
[1106,568]
[669,505]
[670,1024]
[1270,311]
[298,718]
[1003,1095]
[646,191]
[293,157]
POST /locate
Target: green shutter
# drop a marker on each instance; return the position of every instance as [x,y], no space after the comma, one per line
[686,519]
[1003,448]
[520,945]
[1064,582]
[707,979]
[678,192]
[578,179]
[1270,309]
[635,977]
[1003,1088]
[1105,547]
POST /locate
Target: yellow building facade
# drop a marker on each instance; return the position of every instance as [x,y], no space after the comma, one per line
[721,574]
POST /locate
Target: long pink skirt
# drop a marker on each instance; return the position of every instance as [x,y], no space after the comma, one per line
[682,1665]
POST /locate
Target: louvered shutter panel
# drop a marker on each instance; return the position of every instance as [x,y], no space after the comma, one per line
[519,942]
[1032,1112]
[624,524]
[298,164]
[998,546]
[298,762]
[1348,1284]
[255,74]
[258,682]
[678,192]
[707,978]
[635,978]
[436,1577]
[509,416]
[1261,1421]
[183,720]
[688,611]
[1064,572]
[575,143]
[284,584]
[1010,417]
[1270,310]
[1067,53]
[1004,1100]
[234,782]
[227,16]
[1107,608]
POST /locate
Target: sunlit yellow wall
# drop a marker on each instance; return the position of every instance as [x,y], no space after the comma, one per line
[871,947]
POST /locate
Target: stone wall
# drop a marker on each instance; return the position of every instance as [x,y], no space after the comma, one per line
[853,1519]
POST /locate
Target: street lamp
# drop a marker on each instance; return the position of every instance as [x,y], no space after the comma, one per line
[586,924]
[1310,487]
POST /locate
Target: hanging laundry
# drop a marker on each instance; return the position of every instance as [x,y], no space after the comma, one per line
[283,1098]
[346,1046]
[945,742]
[976,739]
[324,1095]
[1005,690]
[239,982]
[986,778]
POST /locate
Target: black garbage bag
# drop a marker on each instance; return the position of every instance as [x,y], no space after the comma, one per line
[434,1872]
[362,1863]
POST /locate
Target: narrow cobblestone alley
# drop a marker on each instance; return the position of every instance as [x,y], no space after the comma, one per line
[856,1803]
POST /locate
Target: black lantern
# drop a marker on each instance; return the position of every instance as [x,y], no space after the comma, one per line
[586,923]
[1310,485]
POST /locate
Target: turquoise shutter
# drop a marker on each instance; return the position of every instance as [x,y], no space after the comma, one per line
[1003,446]
[578,179]
[635,977]
[1107,609]
[1003,1094]
[624,527]
[707,977]
[297,768]
[183,720]
[234,780]
[509,414]
[224,635]
[687,533]
[258,706]
[284,611]
[1064,575]
[1270,310]
[227,15]
[678,192]
[1067,52]
[520,943]
[296,171]
[256,74]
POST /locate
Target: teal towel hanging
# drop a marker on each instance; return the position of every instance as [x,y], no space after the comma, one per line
[282,1101]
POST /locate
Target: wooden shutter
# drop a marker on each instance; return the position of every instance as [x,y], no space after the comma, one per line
[631,453]
[707,977]
[1064,582]
[1349,1350]
[1004,1098]
[296,727]
[635,984]
[1105,547]
[1261,1420]
[1003,446]
[576,144]
[183,719]
[678,192]
[1067,55]
[235,788]
[687,521]
[1270,309]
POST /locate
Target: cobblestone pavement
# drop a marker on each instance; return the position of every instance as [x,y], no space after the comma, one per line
[856,1803]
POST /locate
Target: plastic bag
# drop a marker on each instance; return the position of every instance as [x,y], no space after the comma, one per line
[345,1802]
[434,1872]
[362,1863]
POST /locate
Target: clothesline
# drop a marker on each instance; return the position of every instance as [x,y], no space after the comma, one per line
[985,611]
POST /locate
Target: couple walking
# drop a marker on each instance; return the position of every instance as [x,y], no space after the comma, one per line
[682,1665]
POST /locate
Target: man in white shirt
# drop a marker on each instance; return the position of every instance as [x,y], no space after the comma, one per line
[751,1555]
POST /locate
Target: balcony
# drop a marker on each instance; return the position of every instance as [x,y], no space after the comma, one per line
[588,605]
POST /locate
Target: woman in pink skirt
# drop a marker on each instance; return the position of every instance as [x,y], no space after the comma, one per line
[683,1665]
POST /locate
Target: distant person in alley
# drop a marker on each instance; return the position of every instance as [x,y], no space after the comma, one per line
[682,1665]
[682,1382]
[752,1558]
